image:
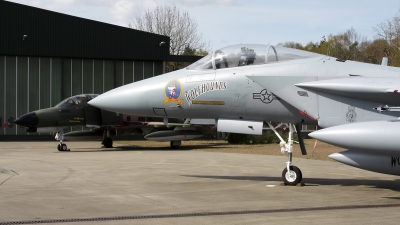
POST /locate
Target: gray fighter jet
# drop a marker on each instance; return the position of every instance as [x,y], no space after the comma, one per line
[241,86]
[75,112]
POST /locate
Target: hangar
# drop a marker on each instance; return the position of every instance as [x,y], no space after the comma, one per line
[47,56]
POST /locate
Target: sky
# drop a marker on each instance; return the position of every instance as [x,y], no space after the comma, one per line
[228,22]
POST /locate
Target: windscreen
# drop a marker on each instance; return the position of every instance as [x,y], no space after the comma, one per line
[91,96]
[74,100]
[204,63]
[249,54]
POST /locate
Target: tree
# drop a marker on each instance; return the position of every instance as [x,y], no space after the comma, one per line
[350,45]
[389,32]
[322,47]
[292,44]
[347,45]
[376,50]
[179,26]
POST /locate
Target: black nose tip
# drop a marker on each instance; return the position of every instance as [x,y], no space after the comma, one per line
[27,120]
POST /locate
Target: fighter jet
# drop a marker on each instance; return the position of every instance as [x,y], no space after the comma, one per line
[75,112]
[241,86]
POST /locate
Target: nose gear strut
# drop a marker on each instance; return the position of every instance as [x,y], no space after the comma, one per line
[291,175]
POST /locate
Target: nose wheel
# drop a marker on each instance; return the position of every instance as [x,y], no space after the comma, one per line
[108,142]
[62,147]
[292,176]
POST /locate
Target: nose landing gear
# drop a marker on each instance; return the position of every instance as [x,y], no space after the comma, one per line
[175,144]
[61,146]
[291,175]
[107,141]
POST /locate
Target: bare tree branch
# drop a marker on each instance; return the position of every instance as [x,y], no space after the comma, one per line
[170,21]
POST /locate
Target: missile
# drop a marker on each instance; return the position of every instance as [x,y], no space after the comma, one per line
[376,163]
[173,135]
[382,90]
[376,137]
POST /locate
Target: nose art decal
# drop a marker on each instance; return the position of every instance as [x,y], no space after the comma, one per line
[173,92]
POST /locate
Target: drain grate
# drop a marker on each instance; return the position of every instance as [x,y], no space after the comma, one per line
[200,214]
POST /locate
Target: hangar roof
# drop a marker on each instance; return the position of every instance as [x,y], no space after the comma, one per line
[52,34]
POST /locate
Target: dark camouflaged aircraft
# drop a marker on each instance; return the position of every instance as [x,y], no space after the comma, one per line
[75,112]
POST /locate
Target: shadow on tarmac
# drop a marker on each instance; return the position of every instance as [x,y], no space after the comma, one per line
[381,184]
[140,148]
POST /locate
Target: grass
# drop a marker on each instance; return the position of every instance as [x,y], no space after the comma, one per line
[321,152]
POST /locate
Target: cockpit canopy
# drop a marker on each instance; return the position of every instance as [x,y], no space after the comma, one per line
[75,100]
[248,54]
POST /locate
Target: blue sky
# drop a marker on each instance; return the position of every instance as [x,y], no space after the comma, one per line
[227,22]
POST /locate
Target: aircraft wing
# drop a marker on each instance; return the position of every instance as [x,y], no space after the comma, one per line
[335,101]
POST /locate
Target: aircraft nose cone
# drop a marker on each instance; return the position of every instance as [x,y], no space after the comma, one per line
[109,101]
[319,134]
[27,120]
[336,135]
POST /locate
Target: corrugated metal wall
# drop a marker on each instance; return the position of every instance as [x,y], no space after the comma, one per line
[2,91]
[32,83]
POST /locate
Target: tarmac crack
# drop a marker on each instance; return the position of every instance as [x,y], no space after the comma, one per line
[68,175]
[156,201]
[9,172]
[6,180]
